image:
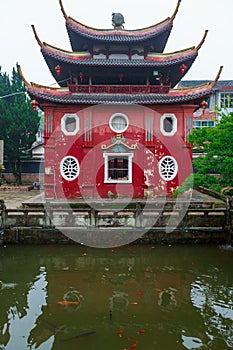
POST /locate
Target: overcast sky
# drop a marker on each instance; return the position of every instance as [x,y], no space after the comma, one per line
[194,17]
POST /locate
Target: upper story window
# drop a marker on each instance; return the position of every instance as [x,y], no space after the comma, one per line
[168,124]
[226,100]
[203,123]
[118,122]
[70,124]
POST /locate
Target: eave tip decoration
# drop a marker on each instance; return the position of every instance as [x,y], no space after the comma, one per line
[22,76]
[218,75]
[62,9]
[176,10]
[36,36]
[202,40]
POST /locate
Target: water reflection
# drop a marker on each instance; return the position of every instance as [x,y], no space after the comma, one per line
[55,297]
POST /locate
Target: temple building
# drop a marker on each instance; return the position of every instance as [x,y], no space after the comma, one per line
[116,125]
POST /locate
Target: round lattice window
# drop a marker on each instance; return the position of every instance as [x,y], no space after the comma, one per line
[168,168]
[69,168]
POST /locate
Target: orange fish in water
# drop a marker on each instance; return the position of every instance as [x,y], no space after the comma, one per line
[133,346]
[67,303]
[120,332]
[141,331]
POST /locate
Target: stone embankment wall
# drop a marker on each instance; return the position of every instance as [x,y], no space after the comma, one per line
[159,222]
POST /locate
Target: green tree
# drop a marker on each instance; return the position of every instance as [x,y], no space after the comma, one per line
[18,123]
[214,166]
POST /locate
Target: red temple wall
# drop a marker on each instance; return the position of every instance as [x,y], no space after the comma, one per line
[89,153]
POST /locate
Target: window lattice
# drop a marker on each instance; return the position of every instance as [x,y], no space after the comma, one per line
[69,168]
[168,168]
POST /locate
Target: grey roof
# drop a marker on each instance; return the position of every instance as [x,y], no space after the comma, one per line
[117,62]
[220,83]
[119,98]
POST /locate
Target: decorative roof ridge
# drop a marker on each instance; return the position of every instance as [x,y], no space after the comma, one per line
[202,40]
[71,53]
[191,88]
[191,48]
[204,85]
[125,31]
[128,31]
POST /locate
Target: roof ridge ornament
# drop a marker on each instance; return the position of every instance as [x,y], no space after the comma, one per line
[118,21]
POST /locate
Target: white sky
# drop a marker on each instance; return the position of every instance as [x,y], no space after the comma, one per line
[18,44]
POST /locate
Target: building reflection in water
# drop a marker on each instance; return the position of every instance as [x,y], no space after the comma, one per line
[54,297]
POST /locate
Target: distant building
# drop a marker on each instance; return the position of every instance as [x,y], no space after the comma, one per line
[222,95]
[116,125]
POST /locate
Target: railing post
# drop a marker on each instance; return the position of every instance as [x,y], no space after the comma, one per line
[138,215]
[92,217]
[4,214]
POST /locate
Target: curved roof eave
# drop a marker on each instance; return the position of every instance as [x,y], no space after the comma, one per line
[63,95]
[76,29]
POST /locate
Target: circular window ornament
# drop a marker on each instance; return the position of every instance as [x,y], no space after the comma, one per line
[168,168]
[69,168]
[118,122]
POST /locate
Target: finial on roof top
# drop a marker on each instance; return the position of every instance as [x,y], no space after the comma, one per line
[118,20]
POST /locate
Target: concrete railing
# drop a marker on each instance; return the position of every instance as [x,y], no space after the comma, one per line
[138,215]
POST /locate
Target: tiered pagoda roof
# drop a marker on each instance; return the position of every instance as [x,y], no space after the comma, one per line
[96,72]
[155,36]
[168,64]
[193,95]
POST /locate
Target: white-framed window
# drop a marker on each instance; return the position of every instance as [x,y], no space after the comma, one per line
[168,168]
[226,99]
[118,122]
[69,168]
[70,124]
[203,123]
[168,124]
[118,167]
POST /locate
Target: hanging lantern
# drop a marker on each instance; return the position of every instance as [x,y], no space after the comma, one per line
[81,77]
[183,68]
[203,104]
[58,70]
[34,104]
[121,76]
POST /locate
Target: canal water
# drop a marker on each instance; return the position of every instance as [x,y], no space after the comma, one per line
[133,297]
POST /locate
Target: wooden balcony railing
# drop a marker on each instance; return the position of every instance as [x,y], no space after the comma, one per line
[119,89]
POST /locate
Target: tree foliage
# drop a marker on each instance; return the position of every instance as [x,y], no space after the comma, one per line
[18,123]
[214,166]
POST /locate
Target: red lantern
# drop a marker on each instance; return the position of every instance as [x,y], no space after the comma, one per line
[34,104]
[58,70]
[183,68]
[203,104]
